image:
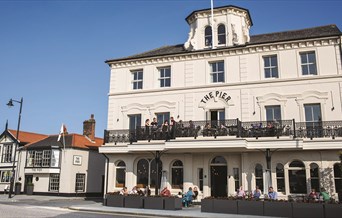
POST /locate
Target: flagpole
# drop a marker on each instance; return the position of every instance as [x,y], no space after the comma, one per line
[212,25]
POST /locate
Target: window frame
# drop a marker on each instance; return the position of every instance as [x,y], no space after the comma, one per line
[162,78]
[7,153]
[5,178]
[221,35]
[54,182]
[308,63]
[118,169]
[137,83]
[216,74]
[208,36]
[80,181]
[259,180]
[280,177]
[271,68]
[177,182]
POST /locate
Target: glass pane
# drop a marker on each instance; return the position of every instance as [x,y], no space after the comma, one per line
[220,66]
[337,170]
[121,164]
[305,70]
[167,82]
[308,113]
[153,173]
[267,73]
[221,39]
[313,69]
[220,77]
[135,76]
[311,57]
[297,163]
[213,67]
[120,177]
[275,72]
[177,178]
[266,61]
[314,170]
[274,61]
[280,170]
[258,170]
[142,173]
[140,85]
[208,31]
[167,72]
[277,113]
[280,185]
[303,58]
[177,163]
[162,84]
[219,160]
[140,75]
[221,29]
[297,181]
[161,73]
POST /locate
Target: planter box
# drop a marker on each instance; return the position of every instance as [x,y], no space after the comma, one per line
[29,190]
[207,205]
[251,207]
[277,209]
[17,188]
[309,210]
[172,203]
[115,200]
[332,210]
[225,206]
[134,202]
[154,203]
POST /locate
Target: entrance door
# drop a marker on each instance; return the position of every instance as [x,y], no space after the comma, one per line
[218,177]
[215,116]
[28,180]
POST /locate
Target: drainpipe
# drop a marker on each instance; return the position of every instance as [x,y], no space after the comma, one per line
[105,188]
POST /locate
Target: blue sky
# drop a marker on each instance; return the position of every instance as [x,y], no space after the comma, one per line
[52,52]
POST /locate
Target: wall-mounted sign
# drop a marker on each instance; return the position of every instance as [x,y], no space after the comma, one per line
[214,95]
[77,160]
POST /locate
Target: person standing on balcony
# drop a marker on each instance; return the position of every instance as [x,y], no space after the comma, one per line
[173,126]
[154,126]
[147,130]
[165,130]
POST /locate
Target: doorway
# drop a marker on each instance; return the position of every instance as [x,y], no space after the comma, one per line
[28,180]
[218,177]
[215,116]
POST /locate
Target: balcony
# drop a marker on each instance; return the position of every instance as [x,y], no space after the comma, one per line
[234,127]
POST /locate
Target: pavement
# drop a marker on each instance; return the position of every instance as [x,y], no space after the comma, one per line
[96,206]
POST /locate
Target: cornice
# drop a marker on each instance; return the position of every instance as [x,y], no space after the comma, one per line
[229,51]
[223,85]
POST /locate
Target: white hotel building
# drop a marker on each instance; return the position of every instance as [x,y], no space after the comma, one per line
[273,103]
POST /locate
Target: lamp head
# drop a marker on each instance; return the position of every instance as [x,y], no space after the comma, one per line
[10,103]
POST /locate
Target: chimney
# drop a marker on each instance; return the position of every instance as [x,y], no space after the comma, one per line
[89,128]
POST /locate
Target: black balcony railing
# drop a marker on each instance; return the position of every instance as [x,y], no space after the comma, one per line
[233,127]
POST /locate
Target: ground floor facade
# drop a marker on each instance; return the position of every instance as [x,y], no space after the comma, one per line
[219,167]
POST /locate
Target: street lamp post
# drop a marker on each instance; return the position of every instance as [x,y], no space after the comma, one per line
[10,104]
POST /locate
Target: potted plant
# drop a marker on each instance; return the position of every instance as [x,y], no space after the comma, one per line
[29,188]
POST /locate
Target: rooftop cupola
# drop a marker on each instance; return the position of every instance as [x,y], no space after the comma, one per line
[230,25]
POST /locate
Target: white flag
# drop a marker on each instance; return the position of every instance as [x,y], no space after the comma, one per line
[61,132]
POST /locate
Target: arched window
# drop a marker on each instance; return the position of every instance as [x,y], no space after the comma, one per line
[259,180]
[221,34]
[208,36]
[142,173]
[153,173]
[219,160]
[177,174]
[280,178]
[297,177]
[314,176]
[120,180]
[338,178]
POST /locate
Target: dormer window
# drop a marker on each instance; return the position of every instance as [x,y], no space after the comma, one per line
[208,36]
[221,34]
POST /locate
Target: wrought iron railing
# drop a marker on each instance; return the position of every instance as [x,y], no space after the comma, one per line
[233,127]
